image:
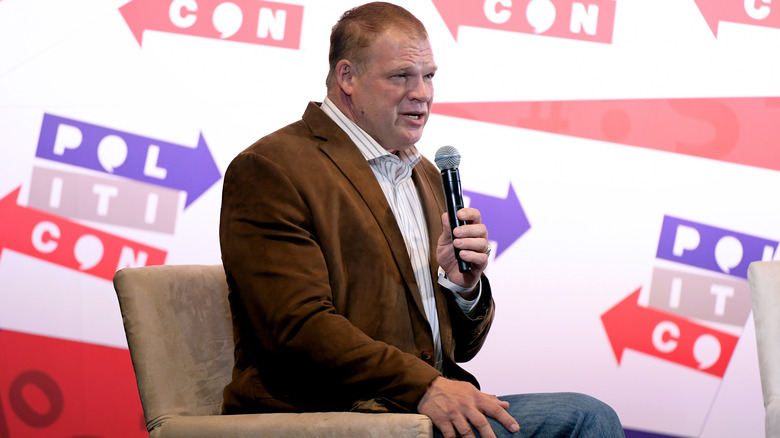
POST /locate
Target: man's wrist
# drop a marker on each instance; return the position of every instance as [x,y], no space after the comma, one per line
[444,281]
[467,300]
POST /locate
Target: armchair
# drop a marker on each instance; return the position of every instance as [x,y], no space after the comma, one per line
[764,278]
[178,326]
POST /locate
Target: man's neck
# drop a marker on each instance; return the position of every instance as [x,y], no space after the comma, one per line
[342,102]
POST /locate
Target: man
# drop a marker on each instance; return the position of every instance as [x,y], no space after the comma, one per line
[333,233]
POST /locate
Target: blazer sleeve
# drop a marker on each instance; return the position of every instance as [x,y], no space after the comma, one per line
[470,331]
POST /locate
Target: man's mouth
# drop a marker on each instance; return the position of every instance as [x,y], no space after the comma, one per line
[413,116]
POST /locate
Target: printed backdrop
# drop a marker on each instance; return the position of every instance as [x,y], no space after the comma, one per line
[624,154]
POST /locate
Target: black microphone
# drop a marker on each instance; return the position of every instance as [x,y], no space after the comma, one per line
[448,159]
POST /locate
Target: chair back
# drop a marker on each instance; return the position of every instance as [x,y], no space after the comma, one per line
[764,278]
[178,326]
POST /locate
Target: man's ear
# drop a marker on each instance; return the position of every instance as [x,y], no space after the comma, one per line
[345,76]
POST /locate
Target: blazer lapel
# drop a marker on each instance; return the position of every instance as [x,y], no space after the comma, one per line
[427,186]
[345,155]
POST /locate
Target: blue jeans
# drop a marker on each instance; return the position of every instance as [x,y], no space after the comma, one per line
[557,415]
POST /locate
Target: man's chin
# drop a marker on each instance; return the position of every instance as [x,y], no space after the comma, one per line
[404,139]
[407,145]
[413,136]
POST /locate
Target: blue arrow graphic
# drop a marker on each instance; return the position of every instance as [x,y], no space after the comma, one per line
[120,153]
[504,217]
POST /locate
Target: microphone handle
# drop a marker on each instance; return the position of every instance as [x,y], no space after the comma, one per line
[453,196]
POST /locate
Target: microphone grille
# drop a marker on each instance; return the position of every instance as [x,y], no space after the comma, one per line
[447,157]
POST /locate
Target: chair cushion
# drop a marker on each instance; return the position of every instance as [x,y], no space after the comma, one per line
[315,424]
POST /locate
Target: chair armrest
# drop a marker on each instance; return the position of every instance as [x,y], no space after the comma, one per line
[284,425]
[772,420]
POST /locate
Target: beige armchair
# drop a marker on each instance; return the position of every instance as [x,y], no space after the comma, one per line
[178,326]
[764,278]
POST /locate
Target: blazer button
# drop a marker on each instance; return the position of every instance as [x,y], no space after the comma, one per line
[426,355]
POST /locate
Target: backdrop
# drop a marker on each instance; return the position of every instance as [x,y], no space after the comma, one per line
[623,153]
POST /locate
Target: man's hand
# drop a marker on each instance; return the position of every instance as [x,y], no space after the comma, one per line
[472,240]
[455,406]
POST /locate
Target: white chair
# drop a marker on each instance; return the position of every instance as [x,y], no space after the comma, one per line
[764,278]
[179,332]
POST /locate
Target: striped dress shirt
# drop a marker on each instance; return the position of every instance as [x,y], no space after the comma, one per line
[394,174]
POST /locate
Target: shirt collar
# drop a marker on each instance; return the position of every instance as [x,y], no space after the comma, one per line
[366,144]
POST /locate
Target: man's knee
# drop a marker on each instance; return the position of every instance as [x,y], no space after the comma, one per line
[593,413]
[589,404]
[563,414]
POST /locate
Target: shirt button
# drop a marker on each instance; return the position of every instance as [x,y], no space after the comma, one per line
[426,355]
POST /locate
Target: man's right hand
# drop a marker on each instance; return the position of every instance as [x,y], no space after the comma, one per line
[456,406]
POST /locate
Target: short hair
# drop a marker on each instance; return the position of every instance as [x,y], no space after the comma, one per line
[359,27]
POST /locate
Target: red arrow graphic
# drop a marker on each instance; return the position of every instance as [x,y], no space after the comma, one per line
[756,12]
[667,336]
[556,18]
[739,130]
[248,21]
[66,243]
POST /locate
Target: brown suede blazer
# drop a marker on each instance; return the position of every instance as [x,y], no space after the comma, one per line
[326,310]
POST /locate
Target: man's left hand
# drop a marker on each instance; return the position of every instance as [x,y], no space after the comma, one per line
[472,241]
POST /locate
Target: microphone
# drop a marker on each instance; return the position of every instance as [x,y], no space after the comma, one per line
[448,159]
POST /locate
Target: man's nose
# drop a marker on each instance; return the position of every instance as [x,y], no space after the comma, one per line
[421,90]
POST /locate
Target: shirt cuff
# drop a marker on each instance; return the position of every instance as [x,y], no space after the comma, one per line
[466,305]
